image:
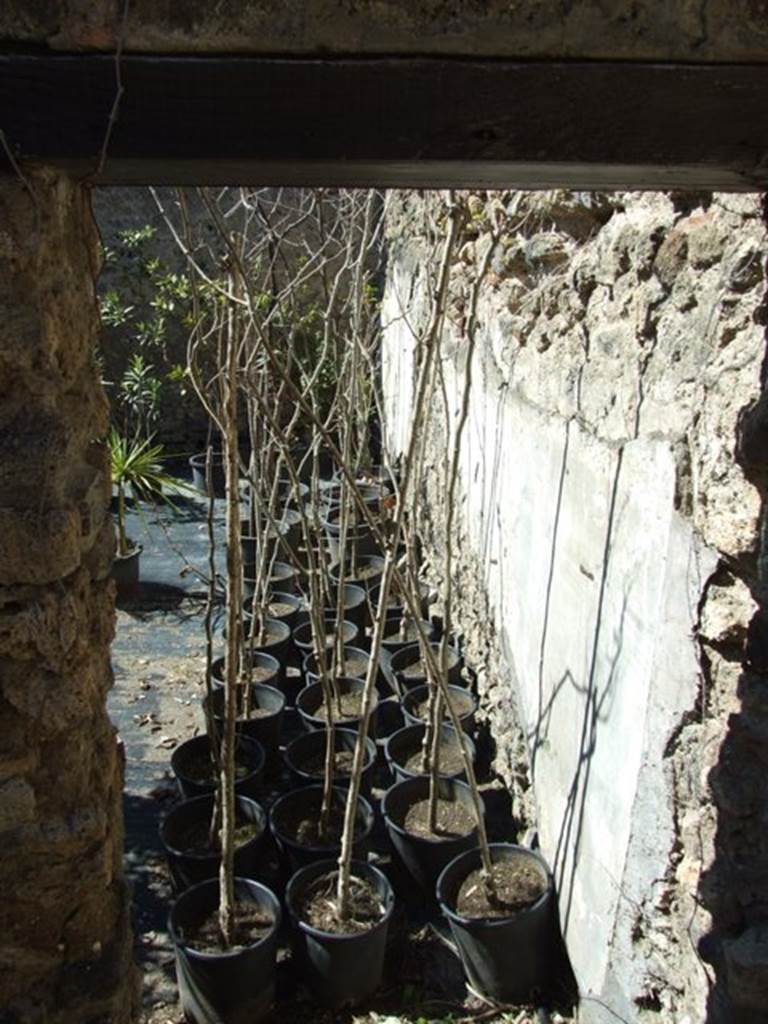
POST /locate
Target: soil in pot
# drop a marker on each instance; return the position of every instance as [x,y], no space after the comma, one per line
[305,758]
[283,577]
[252,924]
[274,638]
[403,752]
[194,769]
[197,838]
[346,706]
[355,665]
[256,711]
[200,770]
[395,638]
[294,821]
[193,855]
[354,604]
[449,754]
[343,964]
[317,906]
[517,884]
[304,640]
[416,705]
[232,986]
[284,606]
[302,824]
[264,669]
[409,667]
[263,721]
[363,573]
[505,941]
[423,852]
[453,819]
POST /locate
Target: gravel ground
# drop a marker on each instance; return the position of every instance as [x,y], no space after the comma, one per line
[158,658]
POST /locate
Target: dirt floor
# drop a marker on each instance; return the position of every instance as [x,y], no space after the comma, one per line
[158,661]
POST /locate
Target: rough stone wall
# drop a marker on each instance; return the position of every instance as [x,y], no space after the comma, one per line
[64,930]
[690,30]
[610,565]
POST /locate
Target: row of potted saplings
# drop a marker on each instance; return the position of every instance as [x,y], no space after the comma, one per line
[429,810]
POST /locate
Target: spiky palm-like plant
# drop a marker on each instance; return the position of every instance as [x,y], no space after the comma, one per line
[136,463]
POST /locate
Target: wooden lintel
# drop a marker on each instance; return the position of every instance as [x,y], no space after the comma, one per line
[389,122]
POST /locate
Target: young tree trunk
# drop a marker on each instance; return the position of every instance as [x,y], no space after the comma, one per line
[234,629]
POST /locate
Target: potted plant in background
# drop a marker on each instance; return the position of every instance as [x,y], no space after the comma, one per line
[136,465]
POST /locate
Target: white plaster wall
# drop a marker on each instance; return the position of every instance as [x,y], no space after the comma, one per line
[591,577]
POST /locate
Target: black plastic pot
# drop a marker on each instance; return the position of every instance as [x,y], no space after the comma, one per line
[305,749]
[310,701]
[261,661]
[273,536]
[358,536]
[308,799]
[416,696]
[218,474]
[389,720]
[302,634]
[199,747]
[341,970]
[224,988]
[396,607]
[425,857]
[504,959]
[367,576]
[125,572]
[283,577]
[331,493]
[407,741]
[293,611]
[393,641]
[276,641]
[354,602]
[410,657]
[266,727]
[188,867]
[356,666]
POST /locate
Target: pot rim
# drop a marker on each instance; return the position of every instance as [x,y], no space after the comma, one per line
[409,698]
[135,551]
[208,798]
[472,858]
[331,865]
[256,686]
[370,749]
[232,954]
[342,798]
[421,780]
[248,740]
[415,647]
[465,737]
[339,679]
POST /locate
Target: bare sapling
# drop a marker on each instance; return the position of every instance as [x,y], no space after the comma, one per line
[210,719]
[234,628]
[391,543]
[439,685]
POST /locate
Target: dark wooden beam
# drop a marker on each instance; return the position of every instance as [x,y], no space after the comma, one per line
[390,122]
